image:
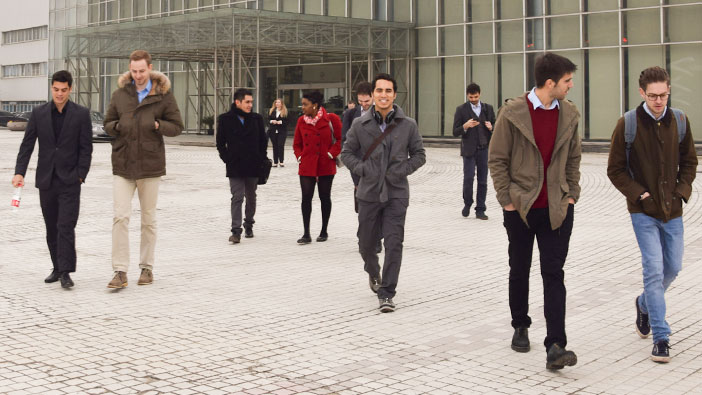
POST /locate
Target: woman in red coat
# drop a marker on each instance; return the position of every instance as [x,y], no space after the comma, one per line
[315,150]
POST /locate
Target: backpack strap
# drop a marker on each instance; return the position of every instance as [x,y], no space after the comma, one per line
[681,121]
[629,135]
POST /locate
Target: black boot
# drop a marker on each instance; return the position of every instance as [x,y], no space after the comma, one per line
[520,340]
[66,281]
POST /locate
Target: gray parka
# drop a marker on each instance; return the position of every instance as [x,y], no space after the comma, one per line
[384,173]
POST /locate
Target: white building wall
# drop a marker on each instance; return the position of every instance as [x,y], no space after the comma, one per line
[21,15]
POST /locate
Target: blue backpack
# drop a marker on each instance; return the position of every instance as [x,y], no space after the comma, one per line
[630,124]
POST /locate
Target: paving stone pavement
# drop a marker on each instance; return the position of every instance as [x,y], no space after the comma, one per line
[269,316]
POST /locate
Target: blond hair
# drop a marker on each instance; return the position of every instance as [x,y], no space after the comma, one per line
[283,110]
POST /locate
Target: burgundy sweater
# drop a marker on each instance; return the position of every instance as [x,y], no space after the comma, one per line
[545,125]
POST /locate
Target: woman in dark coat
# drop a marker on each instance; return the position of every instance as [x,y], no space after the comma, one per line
[278,130]
[315,149]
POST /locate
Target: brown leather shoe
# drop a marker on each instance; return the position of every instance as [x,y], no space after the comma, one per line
[118,281]
[235,239]
[146,278]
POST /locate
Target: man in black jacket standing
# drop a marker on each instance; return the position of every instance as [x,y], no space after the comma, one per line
[473,121]
[64,131]
[242,143]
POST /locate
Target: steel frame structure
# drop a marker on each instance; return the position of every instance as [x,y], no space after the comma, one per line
[225,49]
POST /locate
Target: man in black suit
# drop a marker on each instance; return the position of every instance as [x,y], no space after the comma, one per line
[473,121]
[64,131]
[363,94]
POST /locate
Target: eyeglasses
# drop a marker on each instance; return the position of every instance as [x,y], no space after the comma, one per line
[653,96]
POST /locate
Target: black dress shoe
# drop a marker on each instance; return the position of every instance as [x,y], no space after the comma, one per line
[558,357]
[304,240]
[465,211]
[53,277]
[248,232]
[322,237]
[481,216]
[66,281]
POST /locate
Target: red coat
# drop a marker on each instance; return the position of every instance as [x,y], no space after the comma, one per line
[312,143]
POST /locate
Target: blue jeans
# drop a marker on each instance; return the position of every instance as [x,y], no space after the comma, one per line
[661,245]
[470,164]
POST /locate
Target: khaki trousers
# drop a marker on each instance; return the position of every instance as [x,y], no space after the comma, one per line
[122,192]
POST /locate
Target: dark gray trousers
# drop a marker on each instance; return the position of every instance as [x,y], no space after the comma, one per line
[387,220]
[243,187]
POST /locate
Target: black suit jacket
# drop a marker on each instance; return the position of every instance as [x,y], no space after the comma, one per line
[349,116]
[469,138]
[241,147]
[68,158]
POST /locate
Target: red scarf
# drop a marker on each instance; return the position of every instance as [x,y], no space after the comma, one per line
[313,121]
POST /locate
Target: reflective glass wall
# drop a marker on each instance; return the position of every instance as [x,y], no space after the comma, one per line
[494,43]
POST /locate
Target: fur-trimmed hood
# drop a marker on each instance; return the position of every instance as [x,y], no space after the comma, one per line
[160,83]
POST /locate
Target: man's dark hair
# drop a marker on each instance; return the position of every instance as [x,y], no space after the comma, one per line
[550,66]
[386,77]
[364,88]
[62,76]
[472,89]
[241,93]
[314,97]
[651,75]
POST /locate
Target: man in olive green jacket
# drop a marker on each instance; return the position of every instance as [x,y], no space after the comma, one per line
[534,160]
[142,110]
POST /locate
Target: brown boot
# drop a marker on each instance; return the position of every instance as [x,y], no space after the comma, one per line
[146,278]
[118,281]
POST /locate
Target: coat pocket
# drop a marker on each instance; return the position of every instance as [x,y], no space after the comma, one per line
[154,156]
[119,154]
[649,206]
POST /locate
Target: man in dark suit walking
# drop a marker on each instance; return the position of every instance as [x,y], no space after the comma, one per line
[64,131]
[473,121]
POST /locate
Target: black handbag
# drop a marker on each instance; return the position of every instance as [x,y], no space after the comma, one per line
[264,171]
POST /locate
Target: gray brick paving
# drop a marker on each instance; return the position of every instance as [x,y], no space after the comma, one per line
[268,316]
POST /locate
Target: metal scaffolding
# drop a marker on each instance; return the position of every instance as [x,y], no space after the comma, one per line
[225,49]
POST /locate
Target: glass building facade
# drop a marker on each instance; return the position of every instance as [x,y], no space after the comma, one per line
[282,48]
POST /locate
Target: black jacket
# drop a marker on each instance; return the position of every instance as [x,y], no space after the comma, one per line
[469,138]
[348,117]
[282,129]
[241,147]
[68,157]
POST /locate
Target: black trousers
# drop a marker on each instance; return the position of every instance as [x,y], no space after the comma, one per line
[387,220]
[60,206]
[553,249]
[278,144]
[470,164]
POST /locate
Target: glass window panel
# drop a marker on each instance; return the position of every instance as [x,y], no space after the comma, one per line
[535,34]
[426,42]
[563,32]
[482,71]
[554,7]
[175,5]
[600,5]
[139,7]
[534,8]
[511,76]
[576,94]
[454,91]
[290,5]
[642,27]
[361,9]
[508,9]
[270,5]
[601,29]
[426,13]
[683,23]
[637,59]
[478,11]
[401,11]
[452,11]
[313,7]
[479,38]
[125,9]
[427,96]
[509,36]
[685,84]
[451,40]
[603,92]
[640,3]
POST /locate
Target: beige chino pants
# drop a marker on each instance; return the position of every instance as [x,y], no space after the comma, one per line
[122,192]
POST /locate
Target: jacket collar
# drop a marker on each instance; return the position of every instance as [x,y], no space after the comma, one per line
[160,83]
[517,111]
[648,121]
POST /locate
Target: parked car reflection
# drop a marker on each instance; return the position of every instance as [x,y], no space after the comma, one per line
[99,133]
[5,117]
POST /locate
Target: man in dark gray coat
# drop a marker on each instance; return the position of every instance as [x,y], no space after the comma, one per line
[383,147]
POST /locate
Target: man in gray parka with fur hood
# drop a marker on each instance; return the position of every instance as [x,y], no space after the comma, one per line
[142,110]
[383,147]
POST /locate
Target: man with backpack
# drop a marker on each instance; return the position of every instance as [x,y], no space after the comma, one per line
[652,162]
